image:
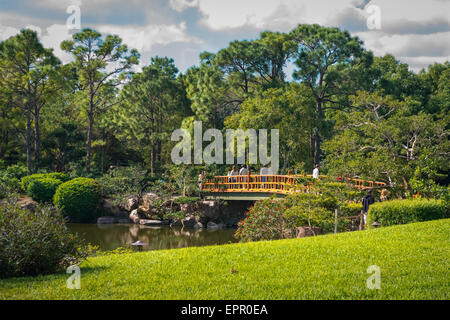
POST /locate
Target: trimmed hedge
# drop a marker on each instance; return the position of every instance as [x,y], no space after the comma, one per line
[43,190]
[406,211]
[25,182]
[59,175]
[78,199]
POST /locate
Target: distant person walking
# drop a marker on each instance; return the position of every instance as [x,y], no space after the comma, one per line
[244,172]
[367,200]
[232,173]
[263,173]
[316,171]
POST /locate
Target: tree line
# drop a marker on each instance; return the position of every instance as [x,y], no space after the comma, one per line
[356,114]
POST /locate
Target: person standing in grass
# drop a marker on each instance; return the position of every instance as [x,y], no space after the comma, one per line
[367,200]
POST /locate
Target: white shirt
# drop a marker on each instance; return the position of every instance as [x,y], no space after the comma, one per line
[316,173]
[243,171]
[265,171]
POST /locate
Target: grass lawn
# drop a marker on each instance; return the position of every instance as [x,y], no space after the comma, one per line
[413,260]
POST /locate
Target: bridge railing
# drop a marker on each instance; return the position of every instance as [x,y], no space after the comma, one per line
[281,184]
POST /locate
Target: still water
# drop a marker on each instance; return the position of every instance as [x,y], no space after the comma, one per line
[110,237]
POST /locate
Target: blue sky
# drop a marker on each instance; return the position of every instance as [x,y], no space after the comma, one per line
[414,31]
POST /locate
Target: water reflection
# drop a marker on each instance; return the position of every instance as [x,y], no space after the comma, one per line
[110,237]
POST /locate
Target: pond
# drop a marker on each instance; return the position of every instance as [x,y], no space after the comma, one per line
[110,237]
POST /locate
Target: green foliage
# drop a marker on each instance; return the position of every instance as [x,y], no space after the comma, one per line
[8,185]
[264,221]
[59,175]
[25,182]
[78,199]
[186,200]
[122,182]
[15,171]
[43,190]
[33,243]
[329,267]
[406,211]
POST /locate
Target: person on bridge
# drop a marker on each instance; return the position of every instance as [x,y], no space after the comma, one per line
[315,174]
[367,200]
[244,172]
[233,172]
[263,173]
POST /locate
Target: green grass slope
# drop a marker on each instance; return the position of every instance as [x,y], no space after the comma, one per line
[413,261]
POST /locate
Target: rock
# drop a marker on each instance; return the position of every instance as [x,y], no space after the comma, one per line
[131,204]
[123,221]
[148,198]
[28,204]
[212,226]
[106,220]
[210,208]
[146,222]
[188,208]
[144,211]
[189,222]
[215,226]
[198,225]
[176,223]
[134,216]
[306,231]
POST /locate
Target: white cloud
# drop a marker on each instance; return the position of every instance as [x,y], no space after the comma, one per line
[180,5]
[53,37]
[143,38]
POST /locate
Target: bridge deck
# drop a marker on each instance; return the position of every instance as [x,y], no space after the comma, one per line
[256,187]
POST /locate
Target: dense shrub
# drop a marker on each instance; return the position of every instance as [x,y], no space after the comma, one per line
[28,179]
[43,190]
[78,199]
[121,183]
[35,243]
[186,200]
[59,175]
[264,221]
[16,171]
[8,185]
[406,211]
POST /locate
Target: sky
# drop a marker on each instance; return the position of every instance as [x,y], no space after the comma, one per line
[416,32]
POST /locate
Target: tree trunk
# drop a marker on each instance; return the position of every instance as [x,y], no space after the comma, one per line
[90,128]
[37,139]
[316,131]
[28,140]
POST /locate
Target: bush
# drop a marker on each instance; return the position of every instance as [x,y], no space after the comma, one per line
[264,221]
[35,243]
[16,171]
[406,211]
[78,199]
[59,175]
[43,190]
[121,183]
[28,179]
[8,185]
[186,200]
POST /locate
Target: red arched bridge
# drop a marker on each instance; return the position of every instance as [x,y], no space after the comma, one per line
[256,187]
